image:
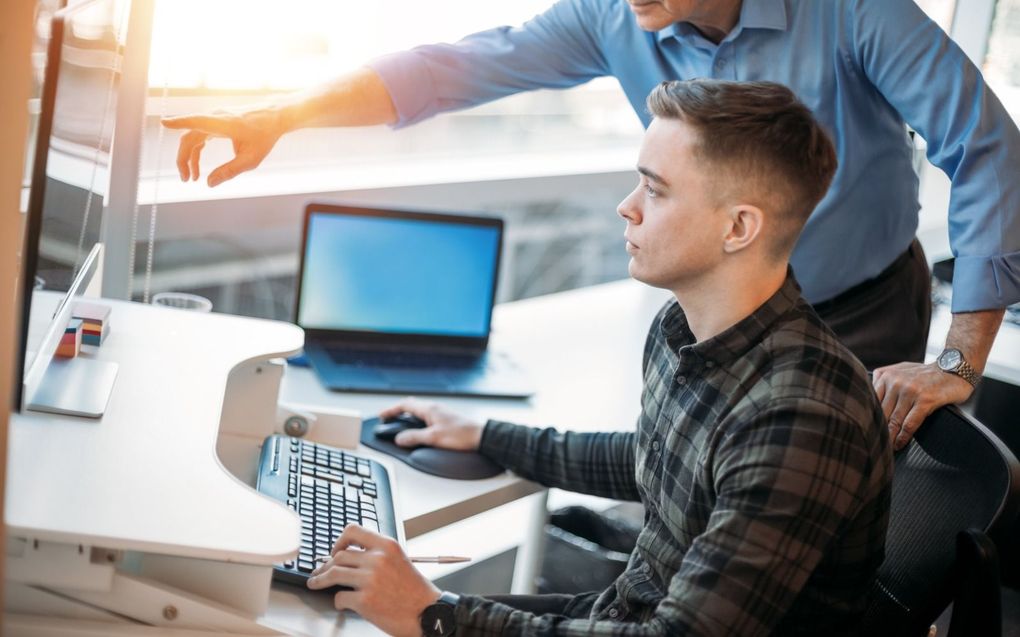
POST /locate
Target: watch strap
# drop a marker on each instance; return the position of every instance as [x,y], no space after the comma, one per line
[438,619]
[446,597]
[967,373]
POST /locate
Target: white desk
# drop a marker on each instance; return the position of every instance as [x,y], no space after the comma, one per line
[145,481]
[129,481]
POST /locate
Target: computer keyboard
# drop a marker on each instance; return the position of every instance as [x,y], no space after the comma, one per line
[401,358]
[329,488]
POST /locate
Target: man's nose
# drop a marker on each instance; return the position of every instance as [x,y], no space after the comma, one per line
[628,210]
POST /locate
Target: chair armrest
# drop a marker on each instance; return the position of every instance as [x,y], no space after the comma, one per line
[977,604]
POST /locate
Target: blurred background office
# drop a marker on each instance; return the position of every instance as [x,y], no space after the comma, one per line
[553,163]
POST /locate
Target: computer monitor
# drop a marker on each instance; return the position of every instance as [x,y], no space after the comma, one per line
[62,253]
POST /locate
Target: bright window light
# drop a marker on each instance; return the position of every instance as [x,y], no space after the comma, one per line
[260,45]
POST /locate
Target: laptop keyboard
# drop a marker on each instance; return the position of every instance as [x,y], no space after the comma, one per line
[400,359]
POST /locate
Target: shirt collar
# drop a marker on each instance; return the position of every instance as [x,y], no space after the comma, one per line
[733,342]
[754,14]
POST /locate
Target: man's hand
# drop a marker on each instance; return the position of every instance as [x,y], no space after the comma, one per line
[388,590]
[910,392]
[358,98]
[446,429]
[253,135]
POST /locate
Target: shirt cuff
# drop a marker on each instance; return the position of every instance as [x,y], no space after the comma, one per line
[477,616]
[409,83]
[986,283]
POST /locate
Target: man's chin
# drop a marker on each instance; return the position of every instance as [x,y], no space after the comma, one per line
[653,26]
[638,276]
[651,18]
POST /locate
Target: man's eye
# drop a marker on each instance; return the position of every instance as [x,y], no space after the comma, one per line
[651,191]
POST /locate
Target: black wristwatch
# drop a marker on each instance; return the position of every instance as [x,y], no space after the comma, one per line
[439,619]
[951,361]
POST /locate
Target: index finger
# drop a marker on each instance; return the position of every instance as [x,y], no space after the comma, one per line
[409,405]
[356,535]
[879,385]
[209,124]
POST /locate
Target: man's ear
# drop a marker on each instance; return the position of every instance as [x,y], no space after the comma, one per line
[744,228]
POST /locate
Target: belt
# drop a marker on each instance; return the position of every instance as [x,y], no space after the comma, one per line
[898,265]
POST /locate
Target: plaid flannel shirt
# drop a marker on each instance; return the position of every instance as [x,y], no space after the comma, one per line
[762,460]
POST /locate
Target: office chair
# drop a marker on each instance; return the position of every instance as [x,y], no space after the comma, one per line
[956,489]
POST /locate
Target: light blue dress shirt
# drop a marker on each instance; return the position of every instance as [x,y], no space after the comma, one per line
[865,67]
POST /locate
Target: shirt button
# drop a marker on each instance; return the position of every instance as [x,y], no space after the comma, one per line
[681,380]
[655,445]
[614,613]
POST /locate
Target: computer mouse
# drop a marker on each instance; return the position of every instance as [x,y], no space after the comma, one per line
[458,465]
[387,430]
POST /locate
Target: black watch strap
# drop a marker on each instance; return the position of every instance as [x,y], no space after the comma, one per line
[439,619]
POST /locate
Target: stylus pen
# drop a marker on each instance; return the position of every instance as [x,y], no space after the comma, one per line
[424,559]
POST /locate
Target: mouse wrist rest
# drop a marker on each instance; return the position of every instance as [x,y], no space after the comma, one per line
[445,463]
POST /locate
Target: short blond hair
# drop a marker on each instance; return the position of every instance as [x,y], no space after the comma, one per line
[759,135]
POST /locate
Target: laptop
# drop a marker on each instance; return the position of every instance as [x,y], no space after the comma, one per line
[400,301]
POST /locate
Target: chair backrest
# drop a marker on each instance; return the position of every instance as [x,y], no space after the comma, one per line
[954,475]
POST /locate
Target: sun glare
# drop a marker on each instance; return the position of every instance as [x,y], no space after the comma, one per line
[267,45]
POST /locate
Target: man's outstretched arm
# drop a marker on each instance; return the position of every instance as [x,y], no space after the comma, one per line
[359,98]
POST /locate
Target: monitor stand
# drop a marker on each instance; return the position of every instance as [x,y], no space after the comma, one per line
[75,387]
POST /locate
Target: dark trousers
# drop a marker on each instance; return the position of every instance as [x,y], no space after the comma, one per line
[885,320]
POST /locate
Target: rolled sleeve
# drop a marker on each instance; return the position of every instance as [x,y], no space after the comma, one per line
[409,83]
[986,283]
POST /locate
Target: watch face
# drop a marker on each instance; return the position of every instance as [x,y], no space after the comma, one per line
[950,359]
[438,620]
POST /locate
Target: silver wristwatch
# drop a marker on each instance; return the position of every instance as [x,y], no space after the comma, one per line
[951,361]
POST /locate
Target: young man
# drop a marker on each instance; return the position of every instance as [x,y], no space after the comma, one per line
[865,68]
[760,454]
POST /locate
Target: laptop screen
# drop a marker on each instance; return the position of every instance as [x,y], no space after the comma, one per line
[398,272]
